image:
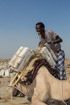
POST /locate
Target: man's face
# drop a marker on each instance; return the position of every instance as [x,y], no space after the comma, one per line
[39,29]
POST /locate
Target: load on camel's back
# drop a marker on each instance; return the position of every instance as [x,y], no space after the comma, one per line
[33,75]
[26,61]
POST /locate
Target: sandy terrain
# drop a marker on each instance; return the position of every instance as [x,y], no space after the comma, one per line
[5,99]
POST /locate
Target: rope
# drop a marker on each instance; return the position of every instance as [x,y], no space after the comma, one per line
[16,88]
[62,92]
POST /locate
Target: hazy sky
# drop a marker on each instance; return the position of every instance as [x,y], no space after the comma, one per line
[18,19]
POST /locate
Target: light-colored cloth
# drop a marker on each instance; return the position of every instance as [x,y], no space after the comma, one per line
[60,68]
[50,37]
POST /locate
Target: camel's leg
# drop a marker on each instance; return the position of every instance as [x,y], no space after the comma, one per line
[41,91]
[26,90]
[12,91]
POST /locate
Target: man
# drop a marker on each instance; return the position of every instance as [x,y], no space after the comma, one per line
[53,40]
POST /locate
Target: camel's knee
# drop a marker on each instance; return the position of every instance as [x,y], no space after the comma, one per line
[39,98]
[36,101]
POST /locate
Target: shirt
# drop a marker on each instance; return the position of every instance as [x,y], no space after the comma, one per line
[50,36]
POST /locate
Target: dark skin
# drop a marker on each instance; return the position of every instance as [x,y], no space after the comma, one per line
[41,31]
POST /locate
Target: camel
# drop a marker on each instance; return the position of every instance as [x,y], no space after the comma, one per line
[44,87]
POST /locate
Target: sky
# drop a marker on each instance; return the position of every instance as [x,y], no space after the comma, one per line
[19,17]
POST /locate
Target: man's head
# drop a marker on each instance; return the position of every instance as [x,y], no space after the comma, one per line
[40,28]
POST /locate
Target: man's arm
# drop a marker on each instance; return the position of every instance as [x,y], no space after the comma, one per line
[57,40]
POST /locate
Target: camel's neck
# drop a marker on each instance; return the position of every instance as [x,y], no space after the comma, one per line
[27,89]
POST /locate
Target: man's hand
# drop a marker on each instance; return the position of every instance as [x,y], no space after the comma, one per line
[40,44]
[50,42]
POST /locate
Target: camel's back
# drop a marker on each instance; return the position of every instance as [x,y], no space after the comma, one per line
[58,89]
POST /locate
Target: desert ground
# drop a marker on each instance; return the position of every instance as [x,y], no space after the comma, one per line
[6,99]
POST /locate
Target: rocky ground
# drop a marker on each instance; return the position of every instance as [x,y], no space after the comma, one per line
[6,99]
